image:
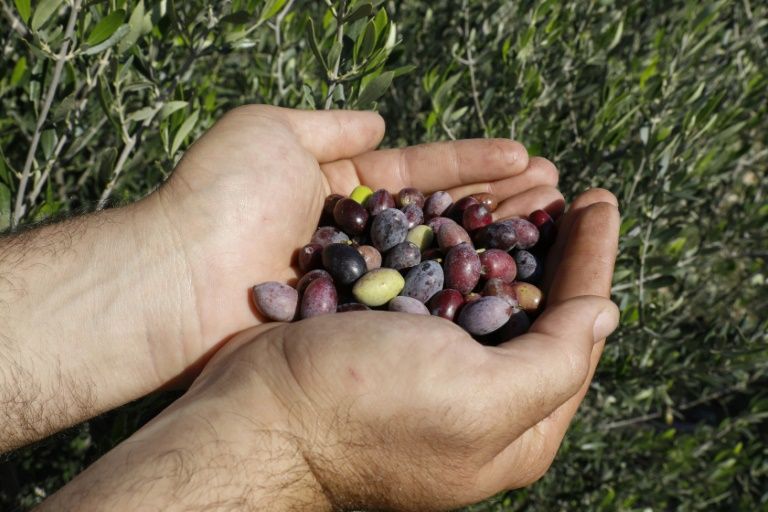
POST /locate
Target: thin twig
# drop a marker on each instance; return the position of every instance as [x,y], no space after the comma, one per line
[124,154]
[334,78]
[278,46]
[20,207]
[47,171]
[641,276]
[470,62]
[16,24]
[448,131]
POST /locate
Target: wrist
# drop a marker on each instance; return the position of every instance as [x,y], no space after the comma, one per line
[211,449]
[83,303]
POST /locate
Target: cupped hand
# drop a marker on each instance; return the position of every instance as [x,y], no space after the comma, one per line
[248,194]
[393,411]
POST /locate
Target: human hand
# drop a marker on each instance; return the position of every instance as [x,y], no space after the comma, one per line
[248,193]
[382,410]
[113,305]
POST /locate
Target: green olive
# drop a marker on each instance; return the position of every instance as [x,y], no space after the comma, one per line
[378,286]
[361,194]
[422,236]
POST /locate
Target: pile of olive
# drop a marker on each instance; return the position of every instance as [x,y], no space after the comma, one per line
[424,256]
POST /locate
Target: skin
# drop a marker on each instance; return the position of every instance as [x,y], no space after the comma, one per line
[366,409]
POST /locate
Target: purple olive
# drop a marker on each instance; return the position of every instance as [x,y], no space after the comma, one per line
[484,315]
[311,276]
[446,303]
[388,229]
[410,196]
[497,263]
[529,267]
[462,268]
[310,257]
[350,216]
[496,236]
[489,200]
[451,235]
[380,200]
[476,216]
[414,214]
[438,222]
[276,301]
[437,204]
[410,305]
[371,255]
[546,226]
[320,298]
[329,235]
[423,281]
[456,212]
[403,255]
[526,233]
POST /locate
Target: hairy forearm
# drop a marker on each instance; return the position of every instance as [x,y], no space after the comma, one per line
[78,300]
[194,458]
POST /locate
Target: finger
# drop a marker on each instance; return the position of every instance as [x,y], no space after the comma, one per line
[592,196]
[431,167]
[587,260]
[539,198]
[328,135]
[586,268]
[540,172]
[536,373]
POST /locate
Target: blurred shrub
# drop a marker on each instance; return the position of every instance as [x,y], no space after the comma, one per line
[664,103]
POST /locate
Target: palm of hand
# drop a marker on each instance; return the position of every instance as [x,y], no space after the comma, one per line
[247,194]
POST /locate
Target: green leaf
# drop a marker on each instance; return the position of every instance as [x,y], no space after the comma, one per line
[367,41]
[18,71]
[184,130]
[138,27]
[403,70]
[61,110]
[113,40]
[375,89]
[48,142]
[5,207]
[43,12]
[271,8]
[142,114]
[25,9]
[360,12]
[312,39]
[442,98]
[171,107]
[105,28]
[381,21]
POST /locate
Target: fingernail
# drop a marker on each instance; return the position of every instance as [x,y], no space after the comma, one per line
[605,323]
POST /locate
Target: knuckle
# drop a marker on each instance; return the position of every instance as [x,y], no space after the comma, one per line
[545,169]
[509,152]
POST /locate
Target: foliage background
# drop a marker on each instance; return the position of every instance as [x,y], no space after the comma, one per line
[663,102]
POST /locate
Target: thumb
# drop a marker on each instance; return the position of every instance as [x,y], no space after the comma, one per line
[542,369]
[329,135]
